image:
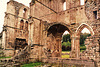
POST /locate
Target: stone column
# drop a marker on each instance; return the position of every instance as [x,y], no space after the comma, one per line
[4,40]
[75,47]
[58,43]
[29,35]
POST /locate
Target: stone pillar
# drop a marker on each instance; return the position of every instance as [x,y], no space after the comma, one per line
[75,47]
[58,45]
[4,40]
[29,35]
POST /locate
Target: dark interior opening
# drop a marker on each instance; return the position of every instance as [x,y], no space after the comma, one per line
[20,43]
[95,14]
[57,28]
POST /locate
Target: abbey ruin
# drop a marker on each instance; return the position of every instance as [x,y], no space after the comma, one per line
[41,26]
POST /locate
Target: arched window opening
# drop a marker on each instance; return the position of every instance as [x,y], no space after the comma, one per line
[21,24]
[26,25]
[64,5]
[66,44]
[95,14]
[85,33]
[24,12]
[81,2]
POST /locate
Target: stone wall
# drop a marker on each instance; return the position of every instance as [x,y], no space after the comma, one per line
[16,14]
[45,25]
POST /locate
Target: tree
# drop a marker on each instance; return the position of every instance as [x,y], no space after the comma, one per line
[66,38]
[83,36]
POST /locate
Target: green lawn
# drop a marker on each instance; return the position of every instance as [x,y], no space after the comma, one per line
[4,57]
[65,51]
[65,56]
[32,64]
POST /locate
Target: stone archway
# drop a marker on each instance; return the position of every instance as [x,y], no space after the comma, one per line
[82,26]
[54,35]
[76,39]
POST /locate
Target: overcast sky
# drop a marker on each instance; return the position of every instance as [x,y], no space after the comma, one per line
[3,5]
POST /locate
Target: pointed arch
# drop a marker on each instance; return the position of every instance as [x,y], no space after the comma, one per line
[82,26]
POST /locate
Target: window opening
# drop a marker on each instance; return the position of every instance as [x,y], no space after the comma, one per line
[95,14]
[81,2]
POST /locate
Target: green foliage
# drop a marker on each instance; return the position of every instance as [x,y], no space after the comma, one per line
[66,38]
[4,57]
[66,42]
[82,47]
[32,64]
[83,37]
[66,46]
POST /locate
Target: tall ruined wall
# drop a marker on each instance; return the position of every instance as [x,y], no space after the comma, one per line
[52,12]
[93,45]
[15,26]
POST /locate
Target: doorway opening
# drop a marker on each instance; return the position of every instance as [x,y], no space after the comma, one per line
[66,45]
[54,39]
[85,33]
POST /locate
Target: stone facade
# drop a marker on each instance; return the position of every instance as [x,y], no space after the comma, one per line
[42,24]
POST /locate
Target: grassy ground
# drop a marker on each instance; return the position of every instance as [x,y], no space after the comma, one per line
[4,57]
[32,64]
[65,51]
[65,56]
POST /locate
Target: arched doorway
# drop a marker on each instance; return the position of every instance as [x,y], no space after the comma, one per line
[54,37]
[78,31]
[66,45]
[85,33]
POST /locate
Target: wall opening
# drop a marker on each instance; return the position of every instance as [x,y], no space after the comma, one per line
[54,39]
[81,2]
[85,33]
[22,24]
[64,5]
[24,13]
[26,25]
[95,14]
[20,43]
[66,45]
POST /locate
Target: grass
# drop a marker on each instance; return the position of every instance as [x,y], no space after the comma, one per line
[65,56]
[4,57]
[82,48]
[32,64]
[65,51]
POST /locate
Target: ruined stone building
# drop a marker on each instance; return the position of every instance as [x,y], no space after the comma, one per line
[43,24]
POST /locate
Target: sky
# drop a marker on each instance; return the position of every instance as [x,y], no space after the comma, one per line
[3,5]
